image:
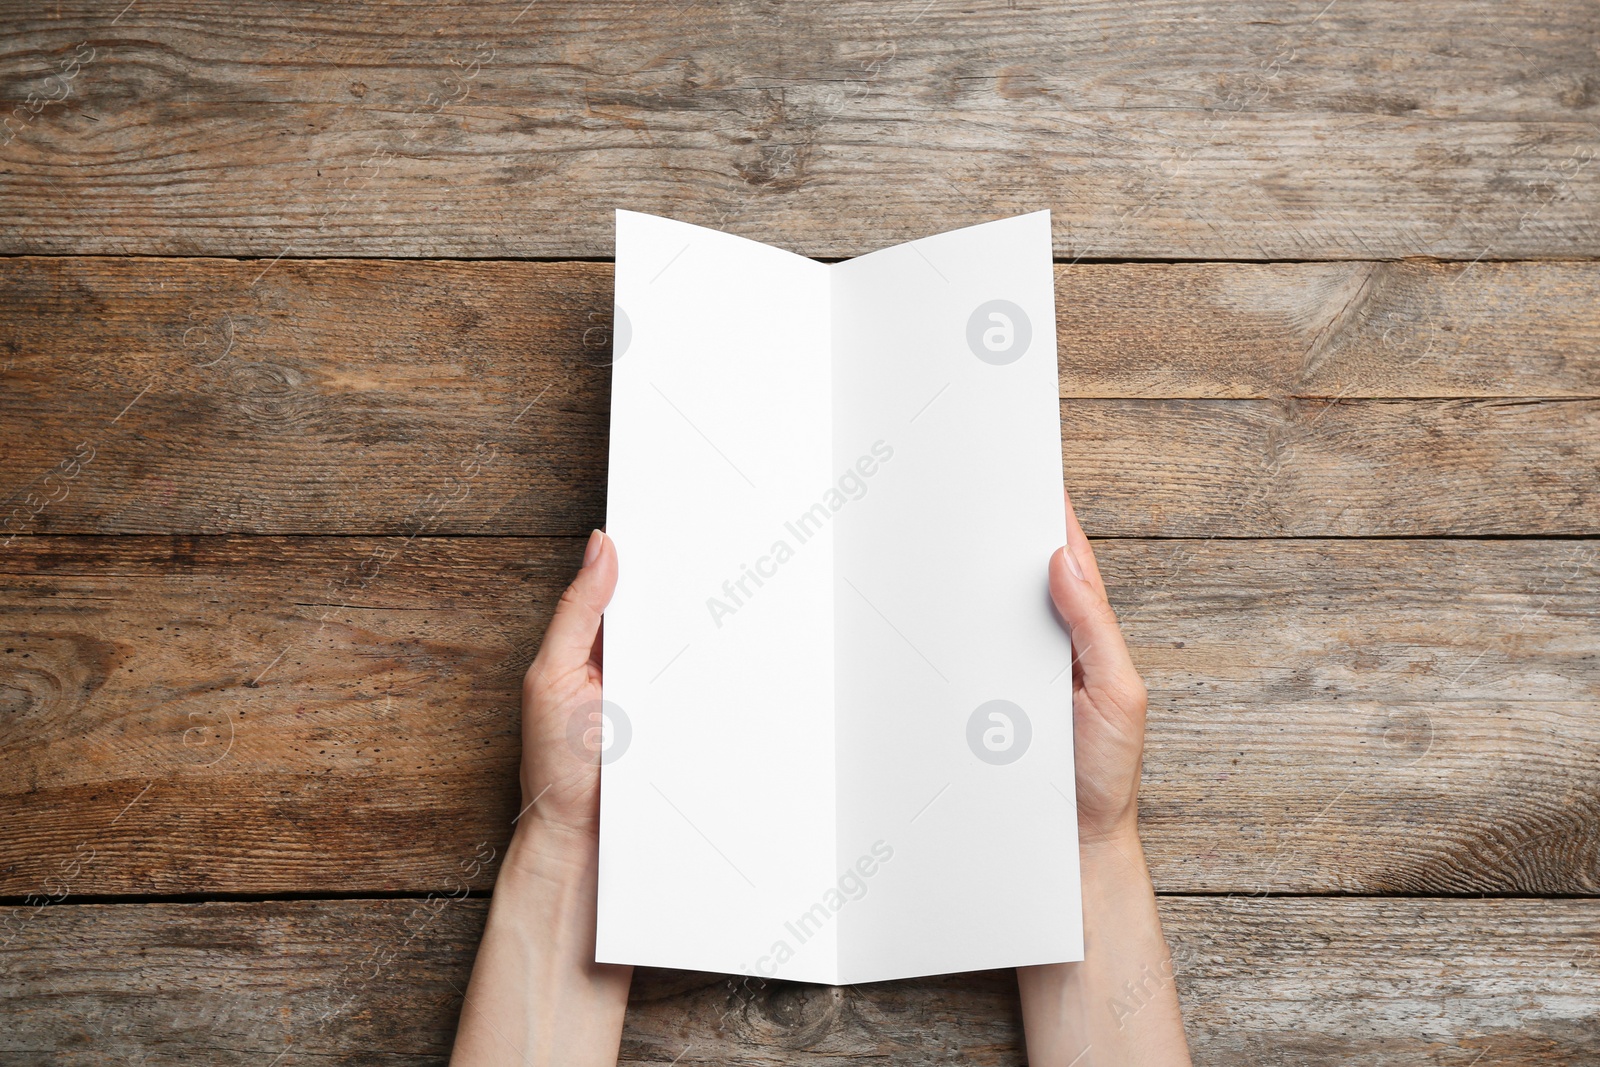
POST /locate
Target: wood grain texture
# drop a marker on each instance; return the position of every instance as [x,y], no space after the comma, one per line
[1350,468]
[1451,128]
[1279,980]
[333,715]
[319,710]
[211,396]
[1413,329]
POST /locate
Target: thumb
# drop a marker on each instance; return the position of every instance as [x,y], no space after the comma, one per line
[1097,644]
[569,640]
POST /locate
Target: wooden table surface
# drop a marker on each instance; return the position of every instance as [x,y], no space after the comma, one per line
[304,317]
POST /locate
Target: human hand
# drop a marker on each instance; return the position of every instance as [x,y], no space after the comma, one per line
[561,706]
[1070,1011]
[537,996]
[1108,697]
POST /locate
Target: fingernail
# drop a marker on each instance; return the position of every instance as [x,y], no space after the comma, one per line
[592,551]
[1072,564]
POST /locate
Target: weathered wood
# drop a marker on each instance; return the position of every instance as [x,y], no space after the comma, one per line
[264,715]
[1352,468]
[1415,329]
[327,399]
[203,715]
[1453,128]
[1335,330]
[371,397]
[1273,980]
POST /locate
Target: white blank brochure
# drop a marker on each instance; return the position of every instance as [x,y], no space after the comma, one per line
[838,700]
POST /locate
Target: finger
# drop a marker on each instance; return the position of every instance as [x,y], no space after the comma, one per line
[569,641]
[1097,643]
[1083,553]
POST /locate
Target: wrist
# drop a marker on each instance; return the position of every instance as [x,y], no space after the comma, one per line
[1116,848]
[550,852]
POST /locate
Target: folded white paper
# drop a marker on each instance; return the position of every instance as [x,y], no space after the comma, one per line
[838,700]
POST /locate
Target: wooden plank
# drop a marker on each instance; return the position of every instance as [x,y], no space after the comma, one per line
[362,694]
[273,715]
[1414,329]
[182,396]
[1277,980]
[1347,468]
[1452,128]
[329,400]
